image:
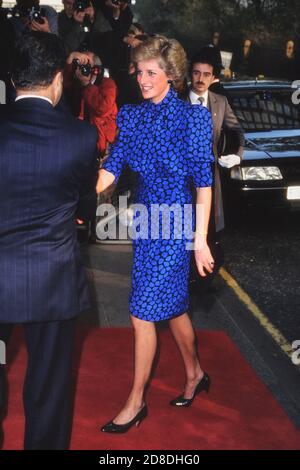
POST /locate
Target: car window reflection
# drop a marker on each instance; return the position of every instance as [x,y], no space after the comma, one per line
[265,110]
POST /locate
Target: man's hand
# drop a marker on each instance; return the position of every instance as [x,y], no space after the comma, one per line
[131,41]
[116,9]
[90,11]
[44,28]
[123,5]
[81,56]
[85,81]
[229,161]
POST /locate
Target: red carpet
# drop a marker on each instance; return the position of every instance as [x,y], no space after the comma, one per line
[238,413]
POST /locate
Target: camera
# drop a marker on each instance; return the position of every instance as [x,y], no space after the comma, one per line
[81,5]
[36,14]
[12,13]
[86,69]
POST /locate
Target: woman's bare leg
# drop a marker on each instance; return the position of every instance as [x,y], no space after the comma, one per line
[145,349]
[183,332]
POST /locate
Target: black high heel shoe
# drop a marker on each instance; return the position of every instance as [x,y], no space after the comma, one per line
[204,384]
[122,428]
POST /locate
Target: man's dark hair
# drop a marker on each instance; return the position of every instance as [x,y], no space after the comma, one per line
[139,27]
[208,55]
[142,37]
[37,58]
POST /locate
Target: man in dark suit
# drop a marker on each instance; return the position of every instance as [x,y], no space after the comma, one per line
[46,169]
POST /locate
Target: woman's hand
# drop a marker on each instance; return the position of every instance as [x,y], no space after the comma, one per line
[203,257]
[105,180]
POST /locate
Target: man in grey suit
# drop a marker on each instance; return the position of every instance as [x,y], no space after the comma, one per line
[205,69]
[204,73]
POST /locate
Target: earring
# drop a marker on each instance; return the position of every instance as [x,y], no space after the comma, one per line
[170,82]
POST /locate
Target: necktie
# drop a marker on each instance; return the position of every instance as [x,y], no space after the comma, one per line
[201,100]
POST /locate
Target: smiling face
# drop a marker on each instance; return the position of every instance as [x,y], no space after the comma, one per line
[202,77]
[152,80]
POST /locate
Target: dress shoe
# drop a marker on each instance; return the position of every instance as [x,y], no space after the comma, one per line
[122,428]
[204,384]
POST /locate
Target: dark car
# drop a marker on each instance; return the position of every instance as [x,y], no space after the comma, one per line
[269,173]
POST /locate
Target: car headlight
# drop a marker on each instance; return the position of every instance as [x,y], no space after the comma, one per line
[261,173]
[235,173]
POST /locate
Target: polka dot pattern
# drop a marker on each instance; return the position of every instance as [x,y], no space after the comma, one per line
[169,146]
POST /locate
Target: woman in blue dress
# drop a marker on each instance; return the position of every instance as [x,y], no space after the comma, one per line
[168,144]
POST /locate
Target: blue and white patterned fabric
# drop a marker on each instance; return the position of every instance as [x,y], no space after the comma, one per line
[169,146]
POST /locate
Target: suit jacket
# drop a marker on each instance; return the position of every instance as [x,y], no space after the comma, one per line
[224,120]
[46,167]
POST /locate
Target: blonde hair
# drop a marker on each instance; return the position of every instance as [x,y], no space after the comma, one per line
[169,53]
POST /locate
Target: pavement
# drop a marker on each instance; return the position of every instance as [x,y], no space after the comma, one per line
[221,308]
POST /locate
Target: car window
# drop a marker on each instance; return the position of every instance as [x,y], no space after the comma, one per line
[265,110]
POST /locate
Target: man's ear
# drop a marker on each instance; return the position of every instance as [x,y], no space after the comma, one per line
[57,87]
[58,79]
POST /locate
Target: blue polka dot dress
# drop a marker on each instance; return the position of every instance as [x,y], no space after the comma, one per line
[169,146]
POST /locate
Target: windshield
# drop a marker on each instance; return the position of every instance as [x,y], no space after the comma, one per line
[265,110]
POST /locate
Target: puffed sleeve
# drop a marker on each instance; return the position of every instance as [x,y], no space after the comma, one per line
[200,146]
[119,151]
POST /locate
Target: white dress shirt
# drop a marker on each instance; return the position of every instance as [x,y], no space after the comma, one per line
[194,98]
[22,97]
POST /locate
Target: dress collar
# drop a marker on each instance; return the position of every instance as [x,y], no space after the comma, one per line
[170,96]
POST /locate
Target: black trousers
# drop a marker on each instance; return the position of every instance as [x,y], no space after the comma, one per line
[47,388]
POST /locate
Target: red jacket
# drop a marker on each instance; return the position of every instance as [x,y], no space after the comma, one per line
[99,100]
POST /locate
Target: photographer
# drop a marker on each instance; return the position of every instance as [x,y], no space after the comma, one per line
[29,16]
[91,96]
[125,75]
[77,23]
[117,12]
